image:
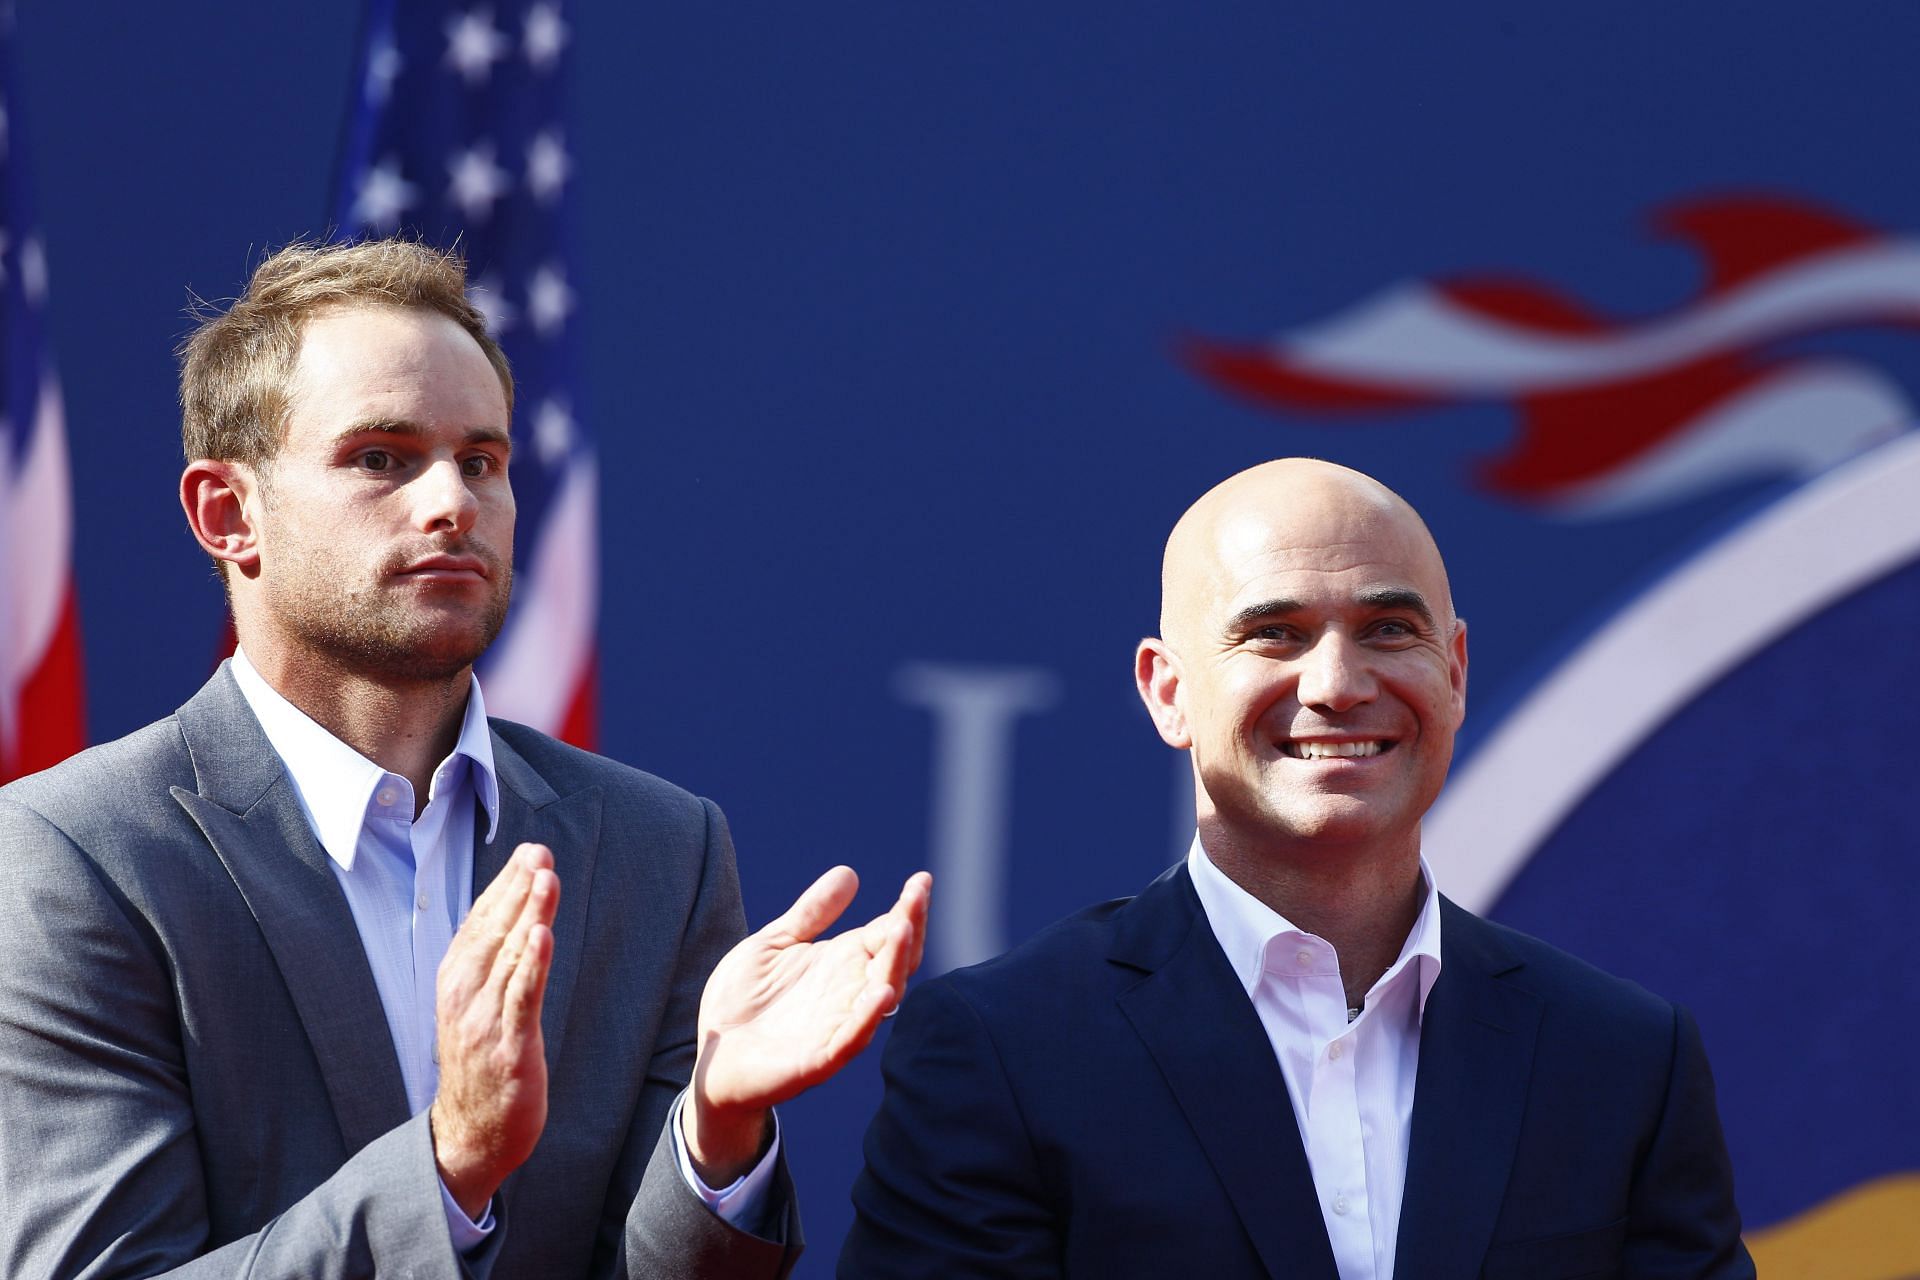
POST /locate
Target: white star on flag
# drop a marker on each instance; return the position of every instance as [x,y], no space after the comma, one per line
[384,195]
[552,430]
[546,35]
[477,181]
[549,300]
[383,68]
[488,294]
[548,166]
[33,270]
[473,46]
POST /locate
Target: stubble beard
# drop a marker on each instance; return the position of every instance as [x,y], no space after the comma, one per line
[373,632]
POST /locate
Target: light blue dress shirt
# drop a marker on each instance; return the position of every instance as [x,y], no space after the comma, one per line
[409,884]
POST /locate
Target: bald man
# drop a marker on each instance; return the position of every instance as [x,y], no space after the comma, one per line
[1289,1056]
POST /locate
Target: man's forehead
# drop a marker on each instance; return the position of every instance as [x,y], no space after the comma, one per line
[371,351]
[358,333]
[1308,535]
[1367,539]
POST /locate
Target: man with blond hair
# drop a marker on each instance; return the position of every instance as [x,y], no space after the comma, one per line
[327,974]
[1218,1077]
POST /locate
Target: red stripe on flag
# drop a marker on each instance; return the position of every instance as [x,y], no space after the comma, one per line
[1744,238]
[1260,375]
[582,724]
[53,705]
[1523,305]
[1577,436]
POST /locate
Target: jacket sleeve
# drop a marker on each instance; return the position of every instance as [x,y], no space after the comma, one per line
[952,1187]
[100,1172]
[666,1230]
[1682,1221]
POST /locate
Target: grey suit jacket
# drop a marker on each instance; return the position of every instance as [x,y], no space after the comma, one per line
[195,1073]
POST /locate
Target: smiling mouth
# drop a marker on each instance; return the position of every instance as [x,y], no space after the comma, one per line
[1335,750]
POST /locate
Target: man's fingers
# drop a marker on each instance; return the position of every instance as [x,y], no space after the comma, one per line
[495,910]
[916,897]
[896,940]
[889,965]
[856,1030]
[819,906]
[473,954]
[526,859]
[526,991]
[536,913]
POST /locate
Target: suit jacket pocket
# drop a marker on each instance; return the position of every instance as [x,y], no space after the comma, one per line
[1573,1255]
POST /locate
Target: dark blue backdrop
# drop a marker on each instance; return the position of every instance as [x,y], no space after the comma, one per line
[882,305]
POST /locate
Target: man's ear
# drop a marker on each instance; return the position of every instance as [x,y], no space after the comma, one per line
[220,501]
[1457,670]
[1156,674]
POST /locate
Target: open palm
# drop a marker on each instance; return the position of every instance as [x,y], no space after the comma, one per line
[783,1011]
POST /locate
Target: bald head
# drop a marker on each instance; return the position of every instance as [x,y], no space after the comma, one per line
[1298,507]
[1310,663]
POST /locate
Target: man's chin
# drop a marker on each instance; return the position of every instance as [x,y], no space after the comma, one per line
[1331,819]
[445,651]
[419,651]
[434,667]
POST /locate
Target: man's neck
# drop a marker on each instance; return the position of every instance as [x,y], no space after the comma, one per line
[405,726]
[1362,900]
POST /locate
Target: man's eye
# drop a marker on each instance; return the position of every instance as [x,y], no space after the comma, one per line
[479,464]
[376,460]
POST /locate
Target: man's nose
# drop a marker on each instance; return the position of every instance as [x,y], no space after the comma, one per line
[1335,674]
[444,501]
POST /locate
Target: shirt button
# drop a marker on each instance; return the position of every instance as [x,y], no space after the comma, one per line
[422,902]
[385,796]
[1334,1050]
[1304,957]
[1340,1204]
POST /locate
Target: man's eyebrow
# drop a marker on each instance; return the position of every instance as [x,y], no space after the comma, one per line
[1279,607]
[1377,598]
[414,431]
[1397,598]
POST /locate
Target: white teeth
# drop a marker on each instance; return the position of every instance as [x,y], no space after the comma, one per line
[1331,750]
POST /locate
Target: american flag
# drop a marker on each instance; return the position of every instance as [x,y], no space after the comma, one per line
[42,694]
[458,137]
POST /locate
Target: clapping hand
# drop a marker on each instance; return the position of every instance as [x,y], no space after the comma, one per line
[785,1010]
[492,1101]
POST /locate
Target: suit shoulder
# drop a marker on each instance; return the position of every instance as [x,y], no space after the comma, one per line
[109,783]
[1555,975]
[560,762]
[1033,971]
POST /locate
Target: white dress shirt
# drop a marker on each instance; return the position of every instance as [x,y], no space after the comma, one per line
[409,884]
[1350,1081]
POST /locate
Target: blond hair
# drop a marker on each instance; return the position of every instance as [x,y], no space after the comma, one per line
[237,366]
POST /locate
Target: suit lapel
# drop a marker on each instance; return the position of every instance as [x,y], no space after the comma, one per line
[532,812]
[1203,1032]
[247,809]
[1476,1059]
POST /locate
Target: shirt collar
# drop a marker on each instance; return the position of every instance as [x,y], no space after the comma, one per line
[1244,925]
[335,783]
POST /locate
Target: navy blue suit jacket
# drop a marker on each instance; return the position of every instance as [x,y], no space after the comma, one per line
[1102,1101]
